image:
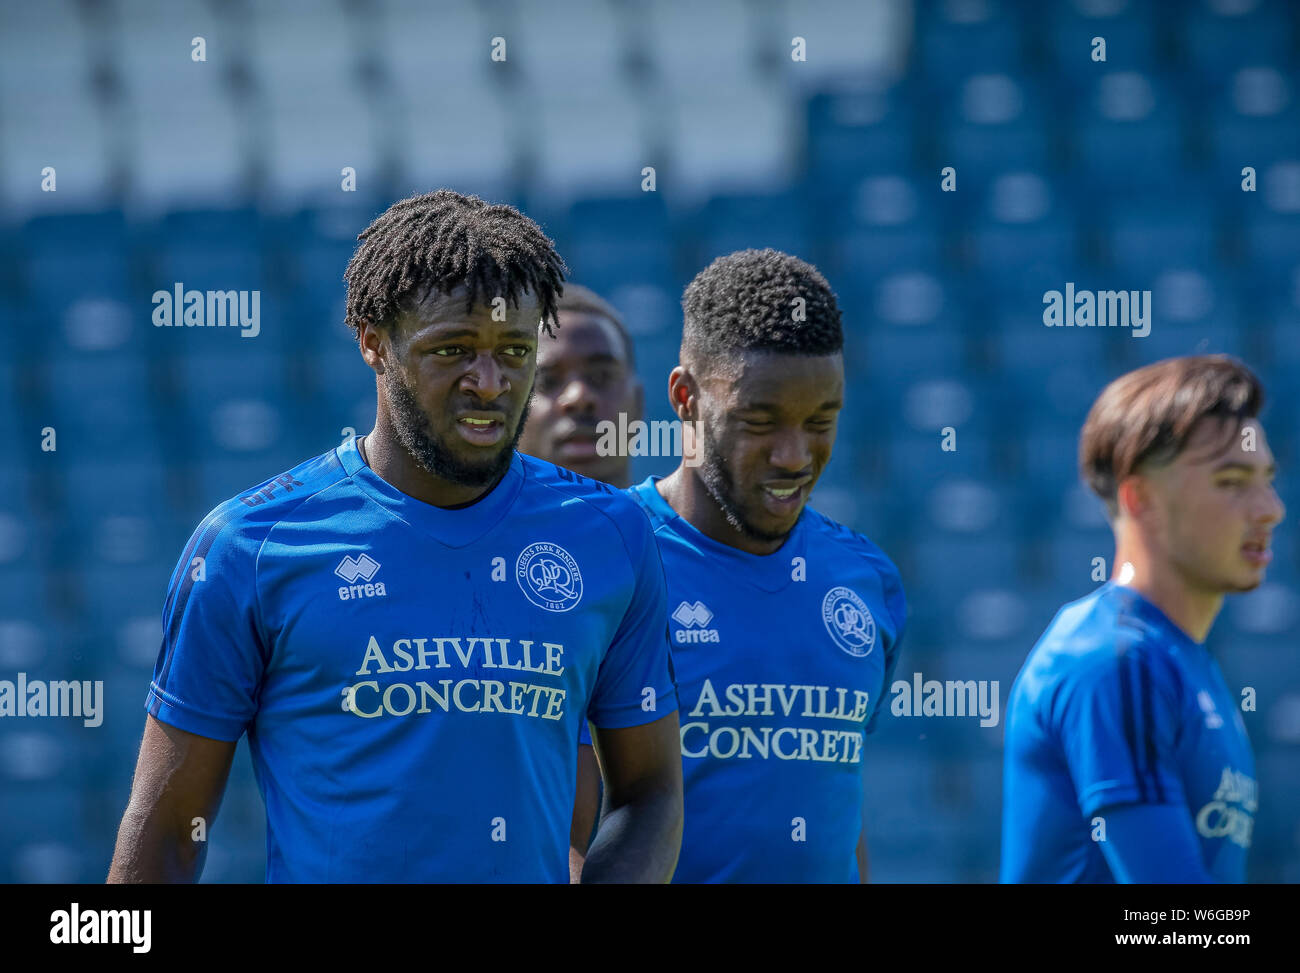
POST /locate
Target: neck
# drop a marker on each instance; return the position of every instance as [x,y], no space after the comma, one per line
[1191,608]
[686,494]
[384,453]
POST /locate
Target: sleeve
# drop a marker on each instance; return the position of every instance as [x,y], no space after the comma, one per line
[210,666]
[896,603]
[1152,844]
[635,683]
[1117,727]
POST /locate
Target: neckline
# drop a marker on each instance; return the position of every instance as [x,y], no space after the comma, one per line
[1133,601]
[452,527]
[769,572]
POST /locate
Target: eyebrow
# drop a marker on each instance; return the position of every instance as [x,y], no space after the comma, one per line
[769,407]
[515,334]
[1235,466]
[598,356]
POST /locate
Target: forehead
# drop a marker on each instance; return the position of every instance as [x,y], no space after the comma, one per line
[582,335]
[1215,441]
[445,310]
[751,378]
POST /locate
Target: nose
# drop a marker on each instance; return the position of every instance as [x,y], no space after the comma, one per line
[485,378]
[790,451]
[575,397]
[1275,510]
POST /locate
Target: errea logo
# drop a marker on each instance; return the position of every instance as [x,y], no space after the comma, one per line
[693,618]
[356,569]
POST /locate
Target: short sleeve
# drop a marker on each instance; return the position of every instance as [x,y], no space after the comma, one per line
[896,604]
[210,666]
[1117,726]
[635,683]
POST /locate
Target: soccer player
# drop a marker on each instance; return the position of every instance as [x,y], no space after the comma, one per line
[1126,756]
[586,375]
[785,624]
[411,627]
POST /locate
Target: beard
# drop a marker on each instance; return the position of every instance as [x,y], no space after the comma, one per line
[722,488]
[412,428]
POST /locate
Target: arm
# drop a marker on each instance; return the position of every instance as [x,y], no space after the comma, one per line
[179,777]
[1152,844]
[586,807]
[640,832]
[861,850]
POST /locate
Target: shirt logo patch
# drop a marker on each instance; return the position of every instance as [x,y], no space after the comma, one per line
[549,577]
[848,621]
[691,615]
[351,568]
[357,572]
[693,618]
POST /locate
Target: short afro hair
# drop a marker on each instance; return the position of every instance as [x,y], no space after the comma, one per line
[750,301]
[582,300]
[442,240]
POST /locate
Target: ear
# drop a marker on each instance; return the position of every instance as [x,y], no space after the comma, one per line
[1133,496]
[375,347]
[682,393]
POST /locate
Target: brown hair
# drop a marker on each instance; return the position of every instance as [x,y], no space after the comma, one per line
[1148,415]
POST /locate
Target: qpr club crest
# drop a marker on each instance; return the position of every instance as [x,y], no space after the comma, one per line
[549,577]
[849,621]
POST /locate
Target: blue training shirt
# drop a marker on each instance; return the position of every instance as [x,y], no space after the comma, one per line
[1115,706]
[781,662]
[412,678]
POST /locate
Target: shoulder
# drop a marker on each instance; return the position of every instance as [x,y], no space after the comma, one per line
[830,537]
[236,528]
[609,505]
[1094,646]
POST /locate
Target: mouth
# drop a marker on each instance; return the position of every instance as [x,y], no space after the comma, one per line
[784,497]
[1257,553]
[481,428]
[578,445]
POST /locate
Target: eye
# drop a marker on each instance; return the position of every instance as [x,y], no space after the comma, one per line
[601,378]
[446,351]
[517,351]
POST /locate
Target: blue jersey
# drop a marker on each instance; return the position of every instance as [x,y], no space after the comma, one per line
[781,664]
[412,678]
[1118,706]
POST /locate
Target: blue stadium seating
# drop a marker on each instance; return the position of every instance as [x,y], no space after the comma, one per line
[1117,174]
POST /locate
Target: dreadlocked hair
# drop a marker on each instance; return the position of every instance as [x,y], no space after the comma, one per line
[442,240]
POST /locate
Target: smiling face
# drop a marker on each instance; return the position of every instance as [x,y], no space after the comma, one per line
[768,422]
[1212,509]
[458,396]
[583,378]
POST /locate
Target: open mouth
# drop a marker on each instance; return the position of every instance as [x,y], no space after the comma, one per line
[783,498]
[481,430]
[1257,553]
